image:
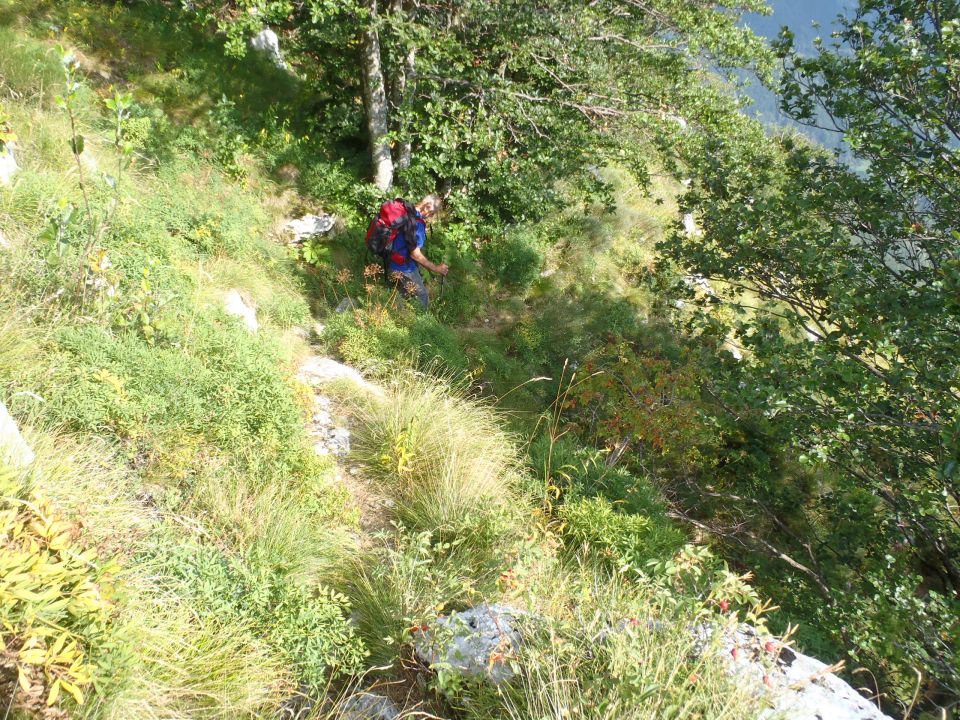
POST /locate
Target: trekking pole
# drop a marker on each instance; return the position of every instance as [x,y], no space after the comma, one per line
[442,281]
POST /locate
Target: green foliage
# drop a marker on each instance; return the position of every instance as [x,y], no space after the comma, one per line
[625,542]
[307,626]
[397,589]
[515,259]
[226,388]
[849,351]
[607,650]
[56,604]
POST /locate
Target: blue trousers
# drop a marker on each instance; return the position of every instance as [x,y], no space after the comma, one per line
[411,285]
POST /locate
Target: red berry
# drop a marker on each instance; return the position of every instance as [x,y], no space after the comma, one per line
[770,646]
[768,681]
[724,605]
[633,622]
[692,679]
[734,653]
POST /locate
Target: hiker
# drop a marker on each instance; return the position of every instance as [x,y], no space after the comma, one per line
[402,258]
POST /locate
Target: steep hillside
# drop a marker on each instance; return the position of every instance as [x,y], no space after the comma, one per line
[204,514]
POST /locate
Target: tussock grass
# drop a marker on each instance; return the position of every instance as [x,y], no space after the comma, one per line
[446,460]
[282,524]
[190,667]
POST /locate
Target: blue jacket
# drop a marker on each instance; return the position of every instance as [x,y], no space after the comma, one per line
[400,260]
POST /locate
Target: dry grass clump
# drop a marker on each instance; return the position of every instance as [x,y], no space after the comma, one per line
[445,459]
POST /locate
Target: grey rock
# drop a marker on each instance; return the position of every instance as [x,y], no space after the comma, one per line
[343,305]
[368,706]
[235,305]
[310,226]
[472,641]
[797,686]
[316,371]
[8,163]
[14,450]
[339,441]
[266,41]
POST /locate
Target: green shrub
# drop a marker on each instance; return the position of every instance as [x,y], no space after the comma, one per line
[436,343]
[625,542]
[221,384]
[514,259]
[308,627]
[401,586]
[57,614]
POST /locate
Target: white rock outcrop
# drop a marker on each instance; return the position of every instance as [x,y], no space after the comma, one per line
[14,450]
[476,642]
[309,226]
[266,41]
[797,686]
[316,371]
[8,164]
[235,305]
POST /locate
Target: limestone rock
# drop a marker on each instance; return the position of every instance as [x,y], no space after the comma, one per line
[472,641]
[368,706]
[266,41]
[329,438]
[309,226]
[14,450]
[797,686]
[316,371]
[8,164]
[235,305]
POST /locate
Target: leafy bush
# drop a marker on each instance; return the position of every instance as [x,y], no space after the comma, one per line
[436,343]
[224,385]
[57,613]
[626,542]
[307,627]
[514,259]
[399,587]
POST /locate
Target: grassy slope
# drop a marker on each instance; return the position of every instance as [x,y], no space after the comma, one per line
[173,438]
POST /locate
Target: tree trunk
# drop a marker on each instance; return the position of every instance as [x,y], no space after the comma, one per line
[404,151]
[402,84]
[375,102]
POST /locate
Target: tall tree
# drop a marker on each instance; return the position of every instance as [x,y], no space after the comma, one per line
[501,99]
[375,102]
[851,350]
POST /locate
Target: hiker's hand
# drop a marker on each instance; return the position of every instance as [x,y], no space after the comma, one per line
[443,269]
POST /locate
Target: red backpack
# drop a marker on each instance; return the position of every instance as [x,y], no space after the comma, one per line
[394,216]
